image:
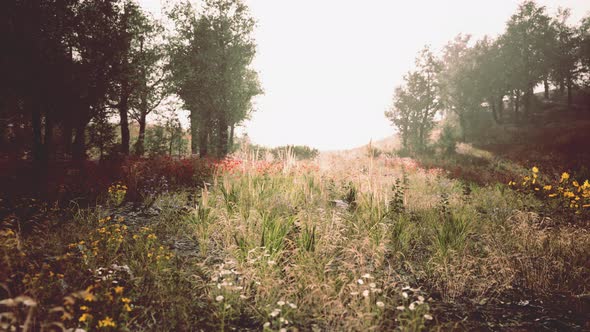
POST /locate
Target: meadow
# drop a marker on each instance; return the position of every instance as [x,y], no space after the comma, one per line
[340,243]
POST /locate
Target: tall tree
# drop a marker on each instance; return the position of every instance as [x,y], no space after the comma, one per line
[566,54]
[524,43]
[210,61]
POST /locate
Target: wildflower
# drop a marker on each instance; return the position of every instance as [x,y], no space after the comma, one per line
[547,187]
[127,307]
[275,312]
[412,306]
[89,297]
[535,169]
[427,317]
[126,300]
[552,195]
[380,304]
[372,285]
[365,293]
[119,290]
[266,325]
[84,317]
[565,176]
[569,194]
[405,295]
[219,298]
[84,308]
[400,308]
[360,281]
[106,322]
[292,305]
[281,303]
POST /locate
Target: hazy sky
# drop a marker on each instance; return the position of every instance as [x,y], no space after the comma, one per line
[329,67]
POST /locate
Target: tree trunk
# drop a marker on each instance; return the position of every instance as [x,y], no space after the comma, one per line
[561,87]
[140,144]
[48,137]
[37,149]
[67,134]
[222,137]
[517,105]
[195,134]
[79,146]
[546,85]
[492,102]
[203,135]
[528,100]
[570,98]
[463,125]
[231,136]
[124,116]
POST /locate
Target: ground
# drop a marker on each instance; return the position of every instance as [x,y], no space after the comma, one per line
[341,243]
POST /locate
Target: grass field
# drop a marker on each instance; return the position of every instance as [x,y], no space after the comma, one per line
[340,243]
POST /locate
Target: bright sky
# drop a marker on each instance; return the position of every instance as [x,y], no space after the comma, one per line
[329,67]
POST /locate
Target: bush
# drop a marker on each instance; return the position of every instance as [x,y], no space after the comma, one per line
[447,142]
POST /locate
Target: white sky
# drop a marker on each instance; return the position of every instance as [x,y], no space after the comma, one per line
[329,67]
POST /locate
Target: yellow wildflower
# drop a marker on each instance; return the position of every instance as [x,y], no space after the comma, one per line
[575,184]
[547,187]
[569,194]
[127,307]
[106,322]
[119,290]
[565,176]
[535,169]
[84,317]
[126,300]
[84,308]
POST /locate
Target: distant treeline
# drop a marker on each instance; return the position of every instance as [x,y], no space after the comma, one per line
[300,152]
[470,79]
[69,68]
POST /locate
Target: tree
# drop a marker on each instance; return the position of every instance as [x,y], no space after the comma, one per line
[525,45]
[425,87]
[416,103]
[460,81]
[101,134]
[566,55]
[210,59]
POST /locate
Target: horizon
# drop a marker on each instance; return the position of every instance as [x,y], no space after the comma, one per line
[328,82]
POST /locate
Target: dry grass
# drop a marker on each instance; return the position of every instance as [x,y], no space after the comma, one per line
[344,243]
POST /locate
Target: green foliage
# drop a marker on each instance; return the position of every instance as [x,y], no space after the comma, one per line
[211,54]
[417,102]
[447,141]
